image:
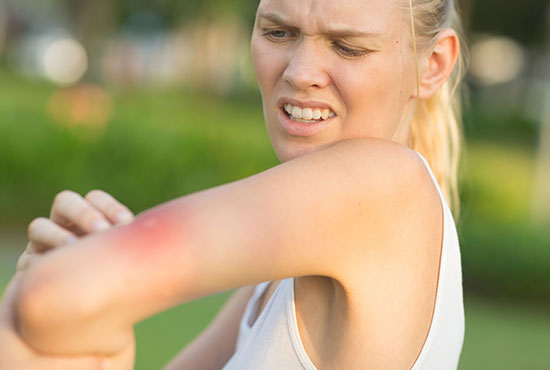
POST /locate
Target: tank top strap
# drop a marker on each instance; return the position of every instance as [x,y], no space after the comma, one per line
[250,311]
[431,173]
[445,205]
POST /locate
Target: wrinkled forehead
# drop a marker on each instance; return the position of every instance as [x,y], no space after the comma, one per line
[373,16]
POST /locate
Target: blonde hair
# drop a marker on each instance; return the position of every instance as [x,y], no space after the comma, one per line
[436,126]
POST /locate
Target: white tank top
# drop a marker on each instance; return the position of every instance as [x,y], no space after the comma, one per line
[273,341]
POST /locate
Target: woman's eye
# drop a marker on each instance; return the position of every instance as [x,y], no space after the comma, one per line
[349,52]
[276,35]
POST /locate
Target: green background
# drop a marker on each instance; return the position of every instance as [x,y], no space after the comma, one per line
[161,143]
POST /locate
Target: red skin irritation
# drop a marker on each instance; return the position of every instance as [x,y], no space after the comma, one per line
[156,233]
[153,253]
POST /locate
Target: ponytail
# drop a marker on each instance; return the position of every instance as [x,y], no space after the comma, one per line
[436,126]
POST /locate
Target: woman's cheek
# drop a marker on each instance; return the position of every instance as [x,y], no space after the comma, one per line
[268,64]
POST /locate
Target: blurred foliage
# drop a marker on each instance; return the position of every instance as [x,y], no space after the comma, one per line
[159,145]
[156,147]
[504,253]
[524,20]
[492,121]
[521,20]
[176,11]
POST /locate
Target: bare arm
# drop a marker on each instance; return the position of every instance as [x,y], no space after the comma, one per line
[216,344]
[327,213]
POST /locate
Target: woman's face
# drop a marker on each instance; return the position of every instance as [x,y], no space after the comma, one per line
[331,70]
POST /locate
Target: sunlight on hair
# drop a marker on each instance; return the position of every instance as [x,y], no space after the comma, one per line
[437,121]
[413,32]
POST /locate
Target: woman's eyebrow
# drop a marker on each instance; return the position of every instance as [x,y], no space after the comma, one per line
[341,32]
[277,19]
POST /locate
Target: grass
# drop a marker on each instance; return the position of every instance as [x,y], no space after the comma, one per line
[160,338]
[505,336]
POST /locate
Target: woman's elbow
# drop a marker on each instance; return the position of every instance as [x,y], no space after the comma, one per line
[38,309]
[53,318]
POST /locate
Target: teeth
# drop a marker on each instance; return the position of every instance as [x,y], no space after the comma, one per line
[308,114]
[297,112]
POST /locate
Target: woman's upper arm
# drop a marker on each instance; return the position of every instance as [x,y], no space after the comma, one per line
[316,215]
[216,344]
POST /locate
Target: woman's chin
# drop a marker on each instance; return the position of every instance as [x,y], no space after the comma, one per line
[290,150]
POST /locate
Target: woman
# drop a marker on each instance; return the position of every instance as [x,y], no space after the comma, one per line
[351,235]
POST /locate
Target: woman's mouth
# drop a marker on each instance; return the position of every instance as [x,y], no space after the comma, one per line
[307,121]
[307,115]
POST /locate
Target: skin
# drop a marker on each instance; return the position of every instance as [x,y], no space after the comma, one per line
[339,208]
[370,93]
[71,215]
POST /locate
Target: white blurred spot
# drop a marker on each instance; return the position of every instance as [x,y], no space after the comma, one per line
[496,60]
[65,61]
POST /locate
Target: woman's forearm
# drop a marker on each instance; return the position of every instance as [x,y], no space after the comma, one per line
[85,298]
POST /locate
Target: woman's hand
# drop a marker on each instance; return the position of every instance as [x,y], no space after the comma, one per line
[72,216]
[15,354]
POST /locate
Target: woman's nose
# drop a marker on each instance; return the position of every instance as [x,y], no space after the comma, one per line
[306,68]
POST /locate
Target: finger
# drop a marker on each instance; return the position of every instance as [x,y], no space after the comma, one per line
[8,298]
[35,248]
[71,208]
[74,363]
[111,208]
[45,232]
[25,261]
[40,248]
[31,253]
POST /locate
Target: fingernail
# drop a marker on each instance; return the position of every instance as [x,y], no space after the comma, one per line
[105,364]
[71,240]
[100,225]
[124,217]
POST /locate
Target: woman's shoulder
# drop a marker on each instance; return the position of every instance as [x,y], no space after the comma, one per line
[381,164]
[387,155]
[382,301]
[402,201]
[397,175]
[383,193]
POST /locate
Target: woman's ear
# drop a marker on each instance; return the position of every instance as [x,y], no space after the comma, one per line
[440,63]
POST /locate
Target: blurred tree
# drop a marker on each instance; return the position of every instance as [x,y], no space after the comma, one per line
[541,201]
[521,20]
[3,26]
[176,11]
[92,21]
